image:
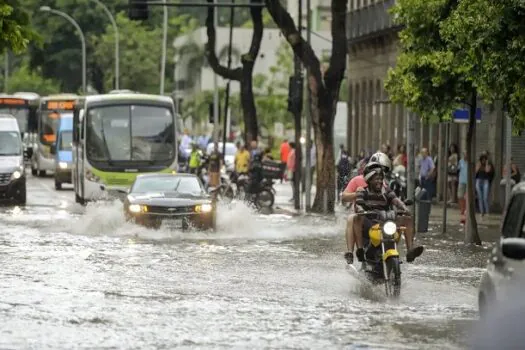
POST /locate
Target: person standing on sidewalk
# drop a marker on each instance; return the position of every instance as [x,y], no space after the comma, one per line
[462,186]
[291,165]
[285,150]
[484,173]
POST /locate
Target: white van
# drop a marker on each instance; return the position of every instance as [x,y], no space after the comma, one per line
[12,175]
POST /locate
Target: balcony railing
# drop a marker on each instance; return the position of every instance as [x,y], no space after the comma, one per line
[370,21]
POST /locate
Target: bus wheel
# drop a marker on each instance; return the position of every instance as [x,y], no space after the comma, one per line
[41,173]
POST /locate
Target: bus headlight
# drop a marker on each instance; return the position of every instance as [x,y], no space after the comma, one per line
[16,175]
[389,228]
[62,165]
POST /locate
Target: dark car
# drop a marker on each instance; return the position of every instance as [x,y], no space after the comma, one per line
[176,198]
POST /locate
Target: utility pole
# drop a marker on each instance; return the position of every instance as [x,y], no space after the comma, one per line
[445,180]
[508,152]
[411,171]
[227,98]
[309,146]
[298,83]
[164,49]
[215,87]
[6,72]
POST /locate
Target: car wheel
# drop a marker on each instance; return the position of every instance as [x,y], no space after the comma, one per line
[21,198]
[34,172]
[58,185]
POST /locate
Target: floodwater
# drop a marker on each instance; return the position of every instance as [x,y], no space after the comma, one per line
[75,278]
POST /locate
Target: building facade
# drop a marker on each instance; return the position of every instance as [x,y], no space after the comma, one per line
[373,120]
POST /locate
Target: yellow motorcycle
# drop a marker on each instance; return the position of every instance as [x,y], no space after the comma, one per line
[382,263]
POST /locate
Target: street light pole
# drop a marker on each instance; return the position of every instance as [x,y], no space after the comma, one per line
[117,53]
[164,44]
[82,39]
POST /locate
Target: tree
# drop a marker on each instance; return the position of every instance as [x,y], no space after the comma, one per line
[243,74]
[432,78]
[495,57]
[324,86]
[23,79]
[139,55]
[16,30]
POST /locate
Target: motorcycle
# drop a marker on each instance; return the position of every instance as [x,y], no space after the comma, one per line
[265,196]
[382,264]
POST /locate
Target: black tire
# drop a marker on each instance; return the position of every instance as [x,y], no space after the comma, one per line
[21,199]
[34,172]
[265,194]
[58,185]
[79,200]
[41,173]
[393,268]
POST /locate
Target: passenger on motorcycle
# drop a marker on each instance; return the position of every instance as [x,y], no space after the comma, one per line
[195,160]
[355,223]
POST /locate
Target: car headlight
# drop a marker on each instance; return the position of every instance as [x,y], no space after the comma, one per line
[137,208]
[389,228]
[17,174]
[203,208]
[62,165]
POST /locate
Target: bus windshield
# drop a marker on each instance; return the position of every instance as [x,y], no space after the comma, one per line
[130,133]
[21,115]
[10,144]
[50,121]
[66,141]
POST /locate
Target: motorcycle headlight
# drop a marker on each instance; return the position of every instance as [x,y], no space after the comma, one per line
[389,228]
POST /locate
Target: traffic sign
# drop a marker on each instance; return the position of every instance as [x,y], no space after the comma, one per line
[461,115]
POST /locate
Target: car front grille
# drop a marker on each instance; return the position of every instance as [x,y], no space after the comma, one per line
[153,209]
[4,178]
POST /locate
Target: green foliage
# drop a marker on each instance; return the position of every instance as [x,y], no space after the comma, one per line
[23,79]
[267,21]
[15,29]
[140,53]
[487,36]
[429,78]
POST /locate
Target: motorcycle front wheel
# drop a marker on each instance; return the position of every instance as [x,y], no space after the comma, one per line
[393,283]
[264,198]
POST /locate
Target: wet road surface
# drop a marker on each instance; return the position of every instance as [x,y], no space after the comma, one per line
[75,277]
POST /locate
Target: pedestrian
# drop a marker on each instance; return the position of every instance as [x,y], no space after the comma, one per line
[484,172]
[285,150]
[462,186]
[452,172]
[292,166]
[215,162]
[427,172]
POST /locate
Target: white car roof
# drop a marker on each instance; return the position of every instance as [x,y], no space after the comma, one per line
[8,123]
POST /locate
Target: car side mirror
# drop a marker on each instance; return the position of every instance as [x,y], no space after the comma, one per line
[53,149]
[408,202]
[513,248]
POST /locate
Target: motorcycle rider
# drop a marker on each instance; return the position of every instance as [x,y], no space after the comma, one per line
[195,160]
[355,223]
[255,173]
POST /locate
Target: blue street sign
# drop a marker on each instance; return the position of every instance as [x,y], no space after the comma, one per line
[461,115]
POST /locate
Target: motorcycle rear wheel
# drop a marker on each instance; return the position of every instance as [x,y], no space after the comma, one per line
[393,284]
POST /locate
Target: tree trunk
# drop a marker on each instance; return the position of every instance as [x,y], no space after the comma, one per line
[471,226]
[244,74]
[324,200]
[324,89]
[248,104]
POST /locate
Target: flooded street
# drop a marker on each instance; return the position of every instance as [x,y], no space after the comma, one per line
[75,277]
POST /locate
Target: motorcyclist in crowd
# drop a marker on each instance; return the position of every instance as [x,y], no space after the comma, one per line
[355,223]
[255,173]
[375,197]
[195,160]
[242,160]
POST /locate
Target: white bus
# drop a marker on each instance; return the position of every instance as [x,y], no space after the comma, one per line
[118,136]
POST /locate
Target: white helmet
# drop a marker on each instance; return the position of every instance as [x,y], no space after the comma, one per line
[383,160]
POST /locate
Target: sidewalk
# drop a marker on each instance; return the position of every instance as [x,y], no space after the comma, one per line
[489,227]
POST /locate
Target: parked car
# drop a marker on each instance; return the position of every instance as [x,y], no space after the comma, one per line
[506,266]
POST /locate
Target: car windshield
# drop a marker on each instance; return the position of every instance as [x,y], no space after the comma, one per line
[21,115]
[49,126]
[66,141]
[10,144]
[130,133]
[180,184]
[230,148]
